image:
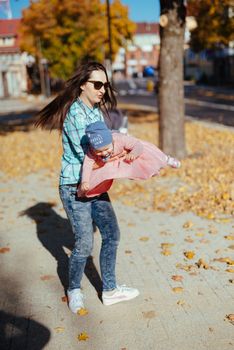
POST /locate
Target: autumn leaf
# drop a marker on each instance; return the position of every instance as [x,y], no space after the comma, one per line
[230,318]
[4,250]
[59,329]
[229,237]
[188,224]
[189,254]
[180,302]
[82,336]
[166,252]
[82,312]
[202,264]
[177,278]
[177,289]
[128,252]
[230,270]
[167,245]
[64,299]
[144,239]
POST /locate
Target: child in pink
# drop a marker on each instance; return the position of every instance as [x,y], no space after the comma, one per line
[114,155]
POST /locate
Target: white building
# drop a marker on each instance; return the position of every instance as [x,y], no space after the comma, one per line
[13,75]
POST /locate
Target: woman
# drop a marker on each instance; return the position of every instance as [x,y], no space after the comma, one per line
[77,106]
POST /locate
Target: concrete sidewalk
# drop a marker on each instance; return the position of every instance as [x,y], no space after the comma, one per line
[35,244]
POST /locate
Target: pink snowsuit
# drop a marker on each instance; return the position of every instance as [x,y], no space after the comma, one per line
[148,163]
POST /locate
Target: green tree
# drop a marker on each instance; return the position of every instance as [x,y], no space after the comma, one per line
[65,32]
[215,23]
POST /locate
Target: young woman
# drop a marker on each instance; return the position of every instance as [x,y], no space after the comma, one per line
[77,106]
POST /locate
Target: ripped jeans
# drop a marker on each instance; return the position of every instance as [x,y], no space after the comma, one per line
[82,212]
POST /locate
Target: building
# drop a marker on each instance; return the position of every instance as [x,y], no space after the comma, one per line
[13,76]
[141,52]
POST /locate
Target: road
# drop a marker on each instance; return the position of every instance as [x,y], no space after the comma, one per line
[201,102]
[205,103]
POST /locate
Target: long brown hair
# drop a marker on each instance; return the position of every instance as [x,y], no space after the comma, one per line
[53,115]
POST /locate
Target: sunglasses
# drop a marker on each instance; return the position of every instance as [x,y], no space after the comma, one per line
[99,84]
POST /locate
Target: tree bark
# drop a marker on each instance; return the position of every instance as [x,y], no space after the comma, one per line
[171,87]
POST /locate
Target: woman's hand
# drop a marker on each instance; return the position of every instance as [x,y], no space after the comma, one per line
[82,189]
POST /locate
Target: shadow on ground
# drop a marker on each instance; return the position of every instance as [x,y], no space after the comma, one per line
[54,233]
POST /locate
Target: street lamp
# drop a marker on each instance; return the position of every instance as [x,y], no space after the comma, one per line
[109,38]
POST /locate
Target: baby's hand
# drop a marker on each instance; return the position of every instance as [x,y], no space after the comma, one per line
[129,158]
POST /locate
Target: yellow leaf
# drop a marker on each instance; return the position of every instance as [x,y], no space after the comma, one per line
[144,238]
[166,252]
[230,270]
[200,234]
[210,216]
[180,302]
[229,237]
[82,312]
[177,289]
[188,224]
[82,336]
[167,245]
[59,329]
[189,254]
[202,264]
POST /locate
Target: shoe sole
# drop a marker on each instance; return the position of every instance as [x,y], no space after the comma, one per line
[108,302]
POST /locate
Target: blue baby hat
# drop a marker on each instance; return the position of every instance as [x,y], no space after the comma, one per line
[98,135]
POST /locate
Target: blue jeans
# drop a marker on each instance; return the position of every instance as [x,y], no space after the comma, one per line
[82,212]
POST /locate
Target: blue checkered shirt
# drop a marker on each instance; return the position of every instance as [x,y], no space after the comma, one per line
[74,140]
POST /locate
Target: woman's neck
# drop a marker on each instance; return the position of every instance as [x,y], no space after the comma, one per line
[86,102]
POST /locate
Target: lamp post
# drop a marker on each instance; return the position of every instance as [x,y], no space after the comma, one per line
[109,38]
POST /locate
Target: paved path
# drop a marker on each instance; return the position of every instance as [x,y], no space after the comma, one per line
[37,239]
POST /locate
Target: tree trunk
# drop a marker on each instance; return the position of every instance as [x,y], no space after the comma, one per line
[171,87]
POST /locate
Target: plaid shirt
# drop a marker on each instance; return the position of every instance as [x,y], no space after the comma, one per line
[74,140]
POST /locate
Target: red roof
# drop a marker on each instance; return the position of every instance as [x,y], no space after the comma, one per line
[10,28]
[147,28]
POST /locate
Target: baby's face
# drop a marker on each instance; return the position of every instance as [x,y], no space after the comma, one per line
[104,151]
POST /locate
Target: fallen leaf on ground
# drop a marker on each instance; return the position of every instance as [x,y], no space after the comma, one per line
[59,329]
[189,254]
[64,299]
[184,267]
[167,245]
[166,252]
[189,240]
[229,237]
[188,224]
[82,312]
[128,252]
[4,250]
[202,264]
[178,289]
[230,270]
[225,260]
[180,302]
[177,278]
[200,234]
[230,318]
[82,336]
[231,281]
[144,239]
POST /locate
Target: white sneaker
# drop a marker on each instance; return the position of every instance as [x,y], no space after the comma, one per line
[75,300]
[121,293]
[173,162]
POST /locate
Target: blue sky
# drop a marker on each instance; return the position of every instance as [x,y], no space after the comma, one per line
[138,10]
